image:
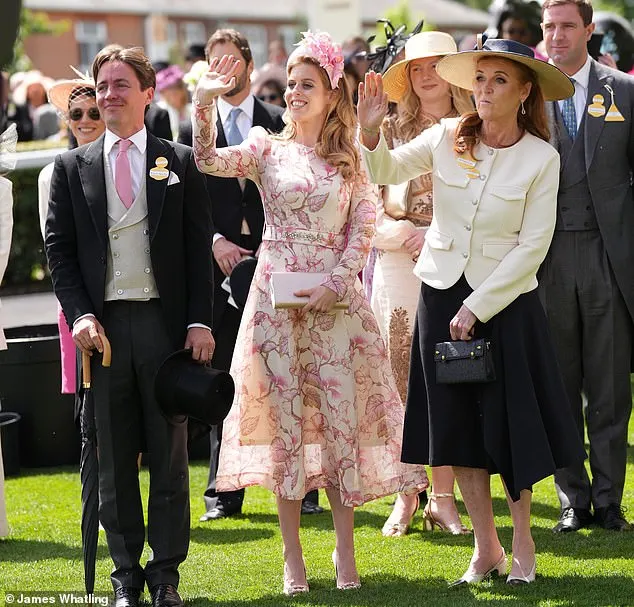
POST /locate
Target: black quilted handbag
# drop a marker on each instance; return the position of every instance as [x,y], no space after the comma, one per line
[463,362]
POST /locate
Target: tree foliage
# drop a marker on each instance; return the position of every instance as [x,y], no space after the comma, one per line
[32,22]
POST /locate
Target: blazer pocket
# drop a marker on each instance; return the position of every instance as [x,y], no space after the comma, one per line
[453,180]
[437,240]
[499,249]
[509,193]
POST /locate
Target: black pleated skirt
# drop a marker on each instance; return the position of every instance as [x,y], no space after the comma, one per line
[520,425]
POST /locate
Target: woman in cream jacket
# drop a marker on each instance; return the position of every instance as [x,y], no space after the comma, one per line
[495,180]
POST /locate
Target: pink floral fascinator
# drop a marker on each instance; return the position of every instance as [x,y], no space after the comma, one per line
[327,53]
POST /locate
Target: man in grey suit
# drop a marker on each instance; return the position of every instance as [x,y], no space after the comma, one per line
[586,281]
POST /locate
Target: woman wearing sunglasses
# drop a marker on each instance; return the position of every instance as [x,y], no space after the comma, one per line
[271,91]
[75,101]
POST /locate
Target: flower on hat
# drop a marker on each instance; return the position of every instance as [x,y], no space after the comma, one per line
[320,46]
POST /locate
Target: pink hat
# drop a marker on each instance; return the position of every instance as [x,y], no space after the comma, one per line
[170,76]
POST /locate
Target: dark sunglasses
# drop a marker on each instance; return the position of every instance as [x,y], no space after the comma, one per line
[77,114]
[269,98]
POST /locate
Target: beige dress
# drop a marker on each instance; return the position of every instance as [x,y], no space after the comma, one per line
[395,289]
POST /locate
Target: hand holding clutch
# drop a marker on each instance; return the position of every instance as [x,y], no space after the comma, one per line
[291,290]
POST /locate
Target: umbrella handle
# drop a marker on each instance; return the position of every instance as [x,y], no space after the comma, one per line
[85,361]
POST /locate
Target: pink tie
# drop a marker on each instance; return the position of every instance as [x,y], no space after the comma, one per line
[123,175]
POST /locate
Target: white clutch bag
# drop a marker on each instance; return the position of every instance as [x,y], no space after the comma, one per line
[284,284]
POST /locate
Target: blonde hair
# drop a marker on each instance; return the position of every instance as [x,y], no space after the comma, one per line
[336,144]
[411,121]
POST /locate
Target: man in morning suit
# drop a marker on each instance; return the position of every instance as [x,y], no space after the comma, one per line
[586,281]
[239,222]
[127,240]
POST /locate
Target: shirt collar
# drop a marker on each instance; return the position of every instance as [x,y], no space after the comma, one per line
[139,139]
[582,76]
[246,106]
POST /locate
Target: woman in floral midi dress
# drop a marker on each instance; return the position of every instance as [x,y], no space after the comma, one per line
[316,404]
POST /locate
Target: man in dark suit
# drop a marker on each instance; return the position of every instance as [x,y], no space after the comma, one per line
[127,239]
[586,281]
[157,122]
[239,222]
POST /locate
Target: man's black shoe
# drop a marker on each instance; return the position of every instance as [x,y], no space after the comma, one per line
[165,595]
[219,511]
[311,508]
[612,517]
[573,519]
[126,597]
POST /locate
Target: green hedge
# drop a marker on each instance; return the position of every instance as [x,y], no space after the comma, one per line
[27,269]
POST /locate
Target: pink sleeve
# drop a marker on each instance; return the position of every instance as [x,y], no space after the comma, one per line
[234,161]
[362,218]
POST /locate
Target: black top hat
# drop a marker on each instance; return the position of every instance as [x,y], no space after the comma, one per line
[240,280]
[184,387]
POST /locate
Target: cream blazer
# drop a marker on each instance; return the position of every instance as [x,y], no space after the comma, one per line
[494,226]
[6,229]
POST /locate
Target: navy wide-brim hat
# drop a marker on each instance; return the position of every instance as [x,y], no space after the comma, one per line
[184,387]
[240,280]
[460,69]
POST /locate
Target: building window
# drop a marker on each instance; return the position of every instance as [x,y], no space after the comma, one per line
[258,40]
[91,37]
[193,32]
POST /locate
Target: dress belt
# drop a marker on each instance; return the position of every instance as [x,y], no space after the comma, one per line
[323,239]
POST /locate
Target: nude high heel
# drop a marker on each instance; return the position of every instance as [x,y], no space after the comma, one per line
[398,529]
[430,521]
[520,580]
[347,585]
[473,578]
[290,587]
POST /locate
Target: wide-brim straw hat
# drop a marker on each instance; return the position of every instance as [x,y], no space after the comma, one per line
[460,69]
[61,90]
[419,46]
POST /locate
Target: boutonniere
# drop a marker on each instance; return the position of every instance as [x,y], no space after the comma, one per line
[468,163]
[613,115]
[160,171]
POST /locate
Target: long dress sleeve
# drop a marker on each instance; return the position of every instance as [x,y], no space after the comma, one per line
[234,161]
[406,161]
[360,233]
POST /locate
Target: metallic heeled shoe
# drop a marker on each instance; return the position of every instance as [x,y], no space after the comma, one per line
[291,588]
[396,529]
[520,580]
[473,578]
[430,521]
[347,585]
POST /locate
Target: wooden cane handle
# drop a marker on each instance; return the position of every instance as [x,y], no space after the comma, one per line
[107,352]
[106,359]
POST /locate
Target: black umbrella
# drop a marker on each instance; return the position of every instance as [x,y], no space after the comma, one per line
[89,470]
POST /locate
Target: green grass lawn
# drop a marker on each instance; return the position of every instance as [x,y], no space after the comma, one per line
[237,562]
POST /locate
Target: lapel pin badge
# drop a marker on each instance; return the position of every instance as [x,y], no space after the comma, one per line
[160,172]
[469,165]
[613,115]
[596,109]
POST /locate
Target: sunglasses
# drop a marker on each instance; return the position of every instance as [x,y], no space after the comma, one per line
[269,98]
[77,114]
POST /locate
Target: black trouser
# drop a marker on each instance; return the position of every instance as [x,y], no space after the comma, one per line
[592,333]
[129,421]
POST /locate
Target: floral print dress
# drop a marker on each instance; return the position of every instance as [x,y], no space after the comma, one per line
[316,404]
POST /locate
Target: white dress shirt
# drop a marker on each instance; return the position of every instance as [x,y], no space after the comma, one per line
[581,80]
[136,156]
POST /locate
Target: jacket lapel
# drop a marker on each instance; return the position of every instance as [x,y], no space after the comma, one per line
[260,116]
[155,188]
[221,140]
[594,126]
[91,173]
